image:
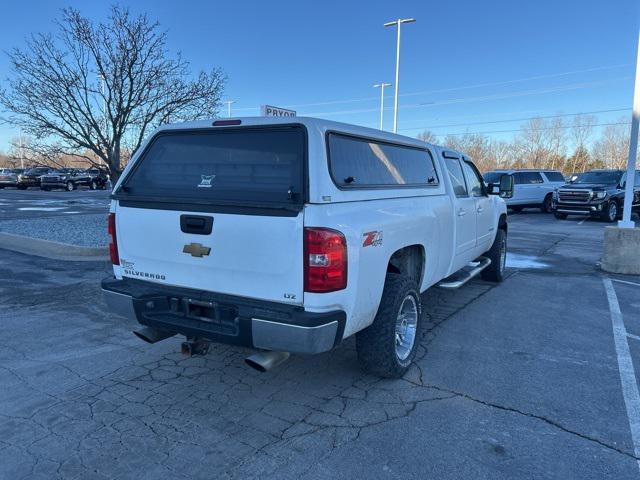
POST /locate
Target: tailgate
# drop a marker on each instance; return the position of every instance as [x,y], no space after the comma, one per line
[251,256]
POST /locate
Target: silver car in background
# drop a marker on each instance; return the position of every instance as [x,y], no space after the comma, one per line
[9,176]
[533,187]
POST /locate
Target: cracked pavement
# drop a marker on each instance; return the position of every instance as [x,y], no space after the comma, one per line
[518,380]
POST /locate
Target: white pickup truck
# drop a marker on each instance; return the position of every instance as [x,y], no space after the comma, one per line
[292,234]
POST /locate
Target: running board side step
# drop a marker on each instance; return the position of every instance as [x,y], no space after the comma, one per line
[462,276]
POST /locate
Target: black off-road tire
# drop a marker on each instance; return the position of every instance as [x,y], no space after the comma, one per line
[608,215]
[547,204]
[376,344]
[46,189]
[498,256]
[560,216]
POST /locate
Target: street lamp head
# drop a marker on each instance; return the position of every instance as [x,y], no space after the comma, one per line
[378,85]
[399,21]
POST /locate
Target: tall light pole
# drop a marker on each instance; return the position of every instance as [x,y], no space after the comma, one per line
[21,150]
[381,86]
[626,221]
[104,111]
[229,102]
[397,23]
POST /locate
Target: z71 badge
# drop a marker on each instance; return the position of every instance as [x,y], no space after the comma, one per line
[372,239]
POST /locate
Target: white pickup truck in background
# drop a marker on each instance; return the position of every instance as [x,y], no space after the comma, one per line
[292,234]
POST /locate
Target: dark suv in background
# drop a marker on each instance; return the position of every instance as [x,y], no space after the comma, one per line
[72,178]
[31,177]
[99,177]
[599,193]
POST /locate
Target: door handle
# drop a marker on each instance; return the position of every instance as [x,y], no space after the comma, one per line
[196,224]
[461,212]
[480,210]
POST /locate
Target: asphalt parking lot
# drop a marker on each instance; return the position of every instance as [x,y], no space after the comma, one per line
[34,203]
[519,380]
[76,217]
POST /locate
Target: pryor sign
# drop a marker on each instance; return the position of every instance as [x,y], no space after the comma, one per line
[271,111]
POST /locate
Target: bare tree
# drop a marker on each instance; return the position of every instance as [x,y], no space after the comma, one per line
[501,154]
[612,148]
[556,138]
[427,136]
[532,143]
[476,146]
[581,132]
[96,90]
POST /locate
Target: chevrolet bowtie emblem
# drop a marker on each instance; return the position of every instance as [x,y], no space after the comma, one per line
[196,250]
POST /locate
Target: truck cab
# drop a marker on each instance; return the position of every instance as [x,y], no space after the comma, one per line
[289,235]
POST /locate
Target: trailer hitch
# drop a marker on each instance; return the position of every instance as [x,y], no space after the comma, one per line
[195,346]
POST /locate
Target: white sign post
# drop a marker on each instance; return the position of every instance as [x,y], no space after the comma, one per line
[271,111]
[626,221]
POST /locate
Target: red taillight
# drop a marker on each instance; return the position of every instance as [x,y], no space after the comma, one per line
[225,123]
[325,260]
[113,242]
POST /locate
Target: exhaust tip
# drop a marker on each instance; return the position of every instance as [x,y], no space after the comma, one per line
[141,335]
[255,365]
[152,335]
[265,361]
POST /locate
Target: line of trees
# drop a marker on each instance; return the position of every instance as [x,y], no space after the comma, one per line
[547,143]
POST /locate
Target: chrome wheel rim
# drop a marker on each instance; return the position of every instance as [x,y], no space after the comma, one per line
[69,186]
[406,327]
[613,211]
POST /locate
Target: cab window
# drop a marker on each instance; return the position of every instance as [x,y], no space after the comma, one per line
[474,181]
[457,177]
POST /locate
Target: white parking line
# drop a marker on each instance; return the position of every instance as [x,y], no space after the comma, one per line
[41,209]
[583,220]
[631,335]
[625,367]
[627,282]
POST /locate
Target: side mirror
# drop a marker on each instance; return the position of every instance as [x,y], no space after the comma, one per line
[506,186]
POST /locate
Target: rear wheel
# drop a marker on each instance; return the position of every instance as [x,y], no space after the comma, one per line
[560,216]
[46,189]
[388,346]
[498,256]
[611,212]
[547,204]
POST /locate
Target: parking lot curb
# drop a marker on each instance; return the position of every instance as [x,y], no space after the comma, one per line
[50,249]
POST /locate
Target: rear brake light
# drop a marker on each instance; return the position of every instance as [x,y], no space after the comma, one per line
[113,242]
[325,260]
[224,123]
